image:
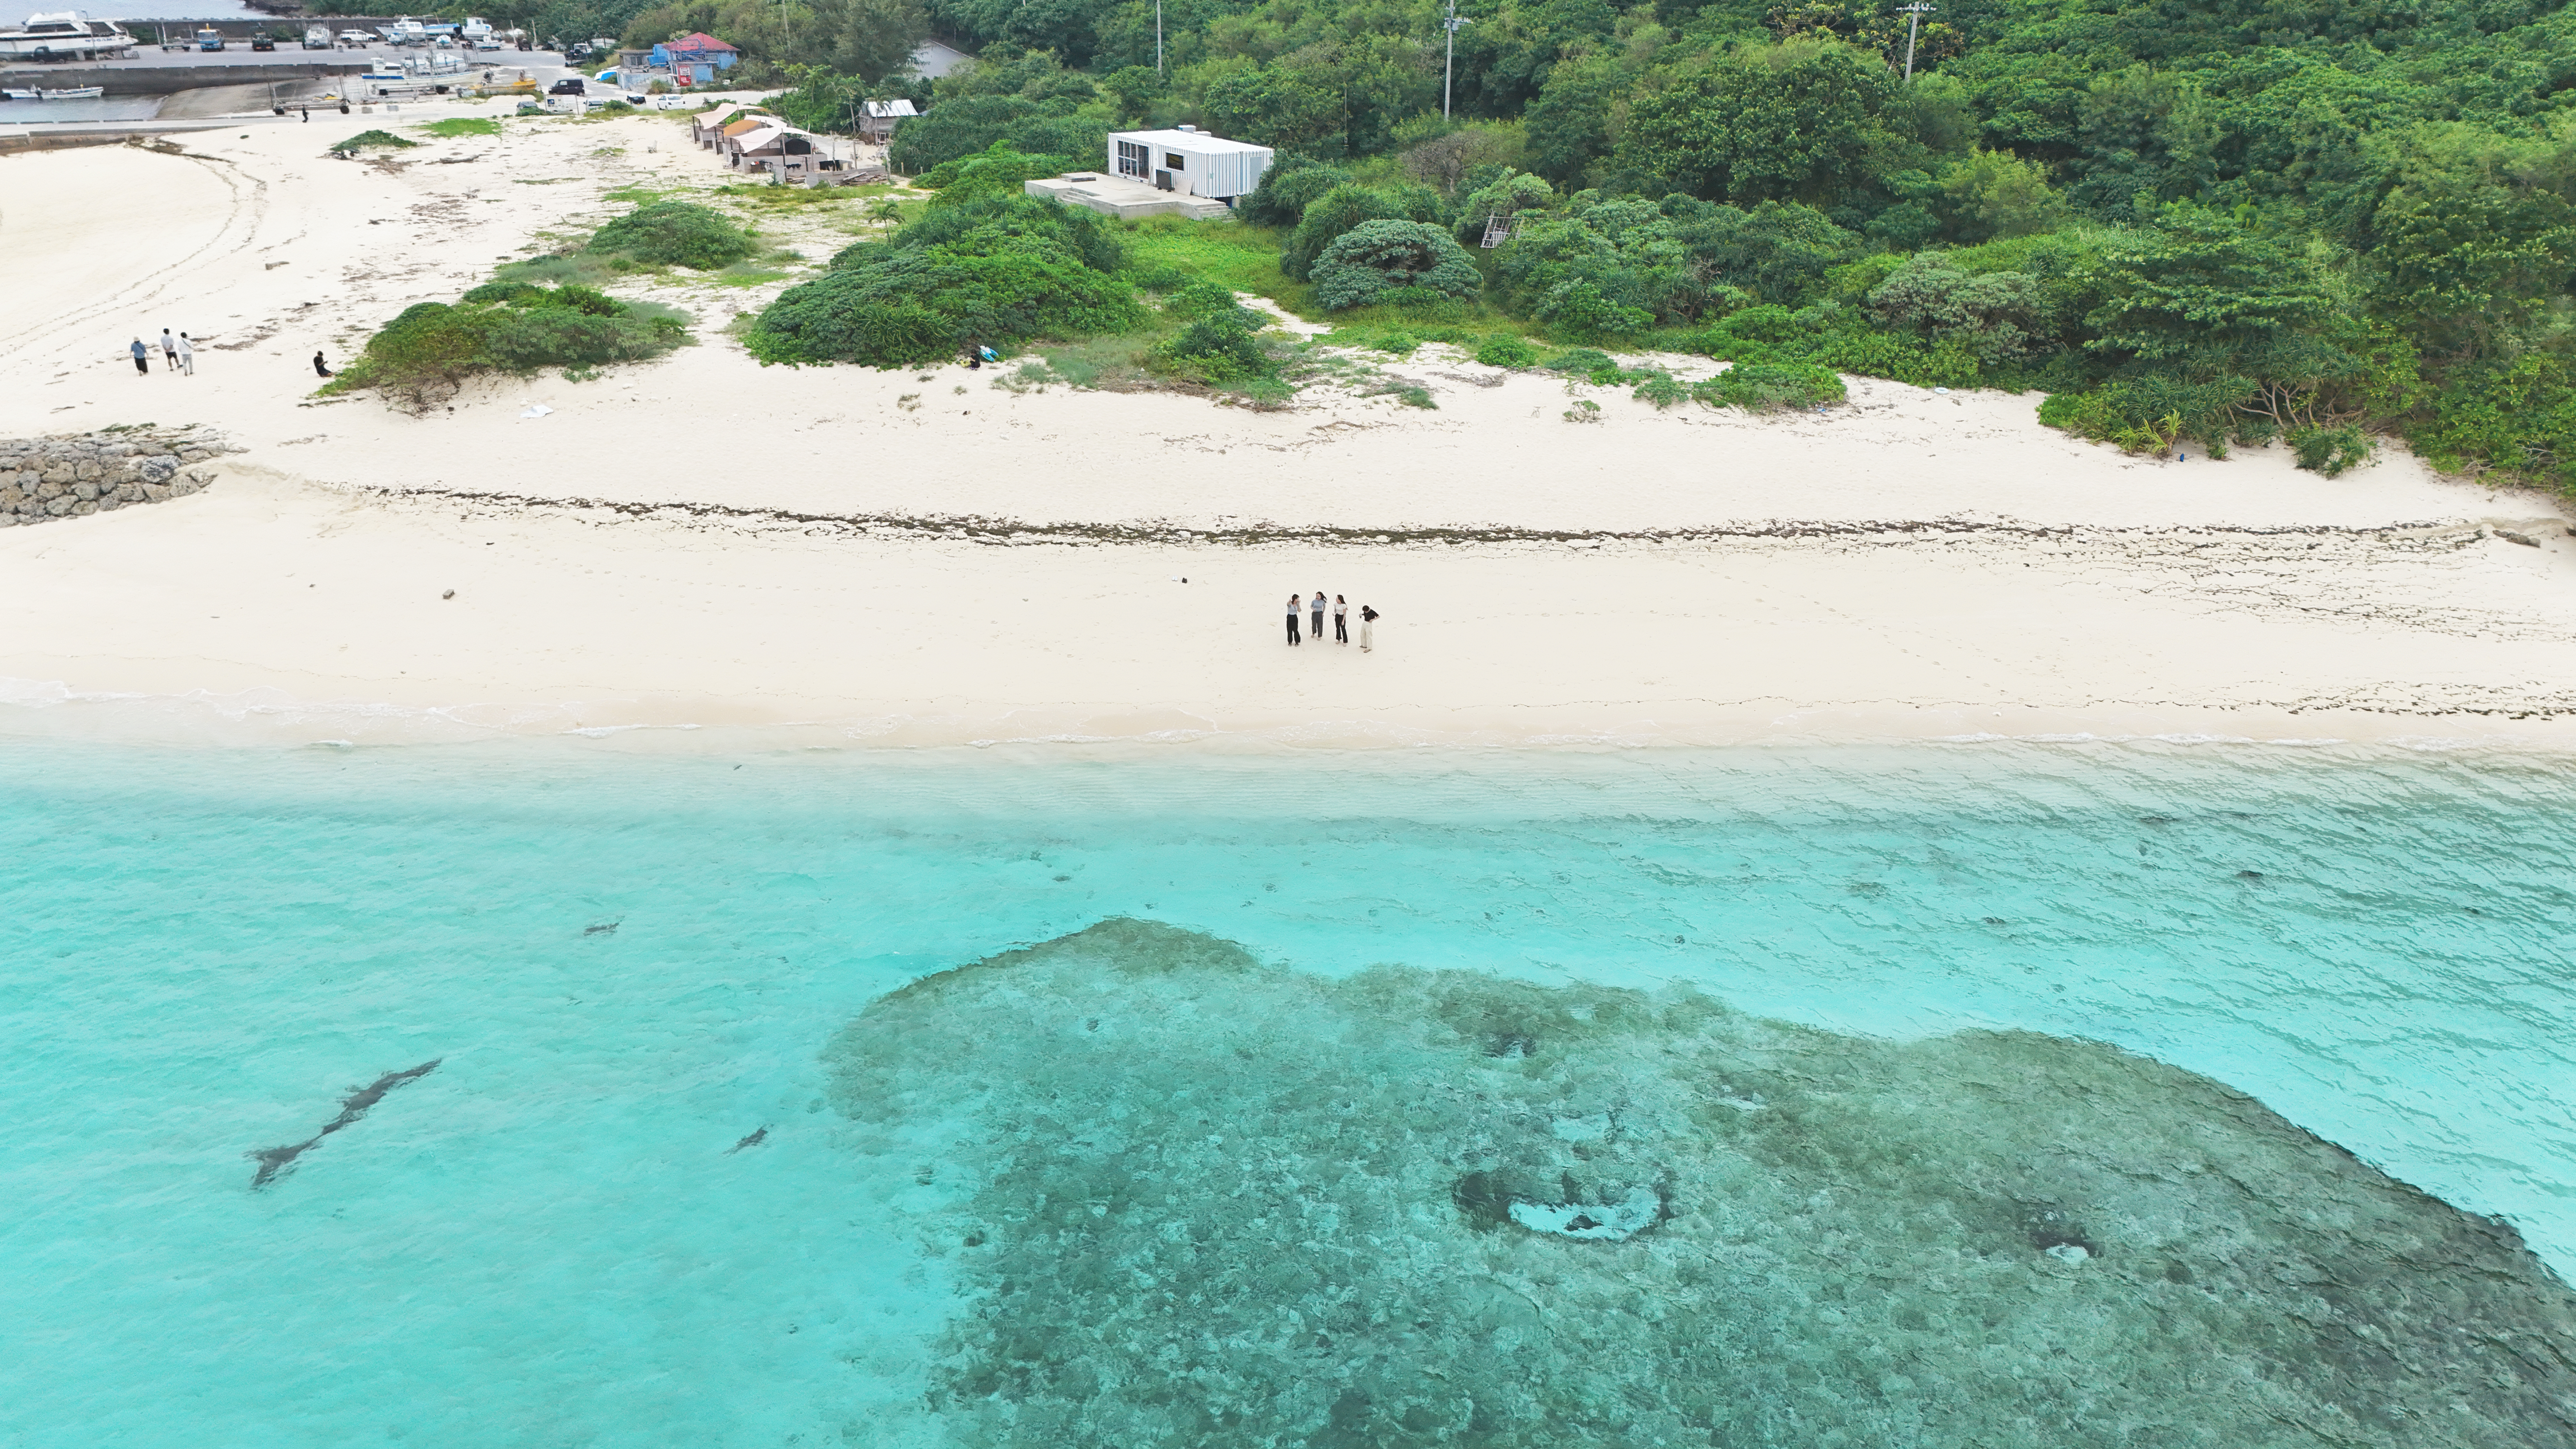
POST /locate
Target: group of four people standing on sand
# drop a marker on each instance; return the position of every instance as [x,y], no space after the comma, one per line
[1341,622]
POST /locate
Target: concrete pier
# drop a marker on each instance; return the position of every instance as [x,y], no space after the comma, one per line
[157,72]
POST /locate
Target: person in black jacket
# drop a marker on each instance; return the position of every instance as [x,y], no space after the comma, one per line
[1368,628]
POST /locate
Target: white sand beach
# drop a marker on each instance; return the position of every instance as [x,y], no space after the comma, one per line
[706,541]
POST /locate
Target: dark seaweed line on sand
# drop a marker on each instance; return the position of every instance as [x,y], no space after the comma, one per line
[275,1160]
[977,528]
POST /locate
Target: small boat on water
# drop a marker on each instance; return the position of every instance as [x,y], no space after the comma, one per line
[69,93]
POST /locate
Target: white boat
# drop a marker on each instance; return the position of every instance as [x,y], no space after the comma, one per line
[66,35]
[69,93]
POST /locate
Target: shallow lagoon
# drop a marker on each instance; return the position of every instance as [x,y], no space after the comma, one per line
[552,1237]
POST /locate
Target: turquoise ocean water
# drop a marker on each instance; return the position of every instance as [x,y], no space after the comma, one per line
[552,1237]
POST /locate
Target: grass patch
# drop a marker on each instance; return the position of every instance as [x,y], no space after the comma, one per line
[1229,253]
[365,139]
[675,233]
[747,274]
[1114,363]
[792,197]
[455,126]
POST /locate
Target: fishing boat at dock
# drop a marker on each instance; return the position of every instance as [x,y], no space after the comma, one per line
[65,36]
[69,93]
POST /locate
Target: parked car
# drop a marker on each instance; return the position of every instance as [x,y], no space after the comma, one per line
[570,85]
[487,43]
[318,38]
[356,37]
[263,42]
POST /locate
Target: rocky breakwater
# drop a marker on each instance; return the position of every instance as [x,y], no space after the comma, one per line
[72,475]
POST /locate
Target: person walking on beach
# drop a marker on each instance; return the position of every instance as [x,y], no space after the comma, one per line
[1293,602]
[1368,628]
[1318,607]
[187,355]
[318,369]
[142,357]
[169,351]
[1341,620]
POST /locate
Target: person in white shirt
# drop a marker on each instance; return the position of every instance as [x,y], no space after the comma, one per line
[169,352]
[1341,621]
[187,355]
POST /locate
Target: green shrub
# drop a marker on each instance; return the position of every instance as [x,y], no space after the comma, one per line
[422,356]
[455,126]
[1378,261]
[1579,310]
[1342,208]
[1769,323]
[365,139]
[1584,362]
[1661,389]
[1218,350]
[675,233]
[1506,351]
[997,170]
[1290,185]
[1760,387]
[2151,413]
[2331,450]
[1085,232]
[516,340]
[895,305]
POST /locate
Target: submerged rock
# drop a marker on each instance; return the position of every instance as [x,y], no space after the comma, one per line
[1208,1202]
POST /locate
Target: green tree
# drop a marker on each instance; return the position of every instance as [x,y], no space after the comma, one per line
[1798,121]
[1388,261]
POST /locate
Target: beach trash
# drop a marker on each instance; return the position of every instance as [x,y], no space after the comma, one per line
[536,410]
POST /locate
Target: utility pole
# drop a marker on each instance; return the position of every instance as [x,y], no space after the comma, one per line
[1158,37]
[1913,14]
[1449,59]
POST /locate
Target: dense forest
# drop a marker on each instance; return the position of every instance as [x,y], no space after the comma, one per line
[2216,220]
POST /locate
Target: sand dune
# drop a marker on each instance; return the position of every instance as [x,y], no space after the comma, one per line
[706,541]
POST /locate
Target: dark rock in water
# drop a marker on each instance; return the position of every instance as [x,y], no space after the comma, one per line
[276,1161]
[1263,1208]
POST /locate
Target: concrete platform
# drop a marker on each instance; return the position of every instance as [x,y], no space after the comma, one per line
[1119,197]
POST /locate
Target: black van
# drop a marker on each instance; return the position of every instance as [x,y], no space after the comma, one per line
[570,85]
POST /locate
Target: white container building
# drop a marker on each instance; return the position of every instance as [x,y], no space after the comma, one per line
[1189,161]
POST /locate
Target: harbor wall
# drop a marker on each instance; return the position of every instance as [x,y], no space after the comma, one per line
[126,78]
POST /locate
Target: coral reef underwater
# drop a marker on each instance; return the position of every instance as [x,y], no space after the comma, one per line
[1201,1201]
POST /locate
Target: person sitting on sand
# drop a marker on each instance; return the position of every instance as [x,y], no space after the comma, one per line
[318,369]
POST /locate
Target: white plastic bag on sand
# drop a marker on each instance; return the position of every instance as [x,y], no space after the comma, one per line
[536,410]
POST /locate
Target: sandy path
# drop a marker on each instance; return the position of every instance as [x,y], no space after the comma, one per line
[794,564]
